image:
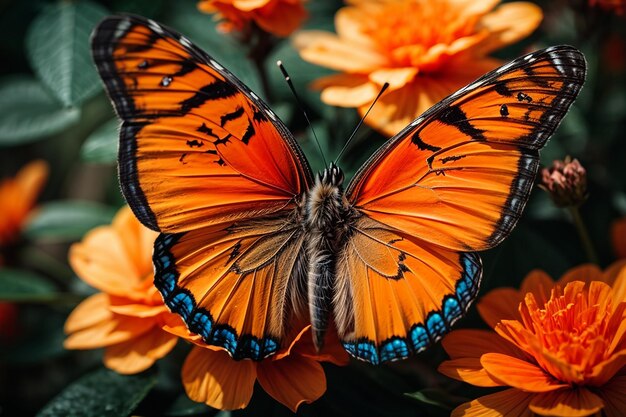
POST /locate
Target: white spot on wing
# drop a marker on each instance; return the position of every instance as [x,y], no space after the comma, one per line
[216,65]
[270,114]
[505,67]
[121,28]
[186,42]
[155,26]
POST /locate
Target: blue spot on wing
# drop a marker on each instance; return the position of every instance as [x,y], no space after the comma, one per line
[198,320]
[437,323]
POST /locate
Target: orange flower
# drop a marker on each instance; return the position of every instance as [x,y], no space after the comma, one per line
[17,198]
[425,50]
[280,17]
[293,376]
[561,353]
[126,317]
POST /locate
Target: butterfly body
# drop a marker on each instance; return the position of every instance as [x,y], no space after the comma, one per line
[252,244]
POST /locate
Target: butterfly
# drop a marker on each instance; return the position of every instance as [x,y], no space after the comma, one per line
[252,241]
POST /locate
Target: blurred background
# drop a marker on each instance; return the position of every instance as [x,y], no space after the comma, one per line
[53,108]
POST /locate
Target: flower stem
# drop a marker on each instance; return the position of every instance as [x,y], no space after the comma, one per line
[583,234]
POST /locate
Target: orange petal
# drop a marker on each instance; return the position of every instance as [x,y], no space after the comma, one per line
[137,240]
[473,7]
[101,260]
[510,403]
[332,352]
[293,380]
[499,304]
[396,77]
[618,235]
[140,353]
[282,21]
[94,309]
[567,402]
[468,370]
[346,90]
[507,24]
[116,330]
[605,371]
[540,284]
[214,378]
[249,5]
[464,343]
[139,310]
[612,393]
[519,373]
[585,273]
[397,108]
[348,24]
[328,50]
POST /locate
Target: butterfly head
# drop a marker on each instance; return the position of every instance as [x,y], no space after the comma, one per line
[333,175]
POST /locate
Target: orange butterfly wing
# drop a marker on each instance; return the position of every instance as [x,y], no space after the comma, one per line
[196,146]
[460,175]
[454,181]
[203,160]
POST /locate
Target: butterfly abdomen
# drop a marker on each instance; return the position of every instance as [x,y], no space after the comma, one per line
[327,221]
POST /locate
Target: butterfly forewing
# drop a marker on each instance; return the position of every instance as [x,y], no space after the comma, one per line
[454,181]
[460,175]
[196,146]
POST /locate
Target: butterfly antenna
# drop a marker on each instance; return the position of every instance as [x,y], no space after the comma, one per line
[306,116]
[380,93]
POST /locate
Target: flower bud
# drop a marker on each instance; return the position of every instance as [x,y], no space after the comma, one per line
[566,182]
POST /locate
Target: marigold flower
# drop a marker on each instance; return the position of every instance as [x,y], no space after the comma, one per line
[566,182]
[280,17]
[127,316]
[292,376]
[562,352]
[17,198]
[425,50]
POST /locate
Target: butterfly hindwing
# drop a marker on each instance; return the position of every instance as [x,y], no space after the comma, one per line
[395,295]
[233,285]
[191,129]
[453,182]
[460,175]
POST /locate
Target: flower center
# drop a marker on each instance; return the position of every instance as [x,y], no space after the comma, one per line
[574,329]
[416,33]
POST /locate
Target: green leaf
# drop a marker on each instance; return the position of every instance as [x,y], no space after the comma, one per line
[67,220]
[19,285]
[101,145]
[57,45]
[101,393]
[29,113]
